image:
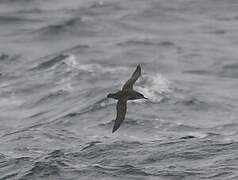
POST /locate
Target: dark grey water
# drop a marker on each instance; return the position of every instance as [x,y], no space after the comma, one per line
[59,59]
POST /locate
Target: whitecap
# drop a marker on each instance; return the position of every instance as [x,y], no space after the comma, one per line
[93,67]
[66,85]
[71,60]
[153,86]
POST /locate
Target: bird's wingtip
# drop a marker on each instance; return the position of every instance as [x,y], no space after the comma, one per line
[138,68]
[114,128]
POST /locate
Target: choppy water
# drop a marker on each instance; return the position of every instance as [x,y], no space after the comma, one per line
[60,58]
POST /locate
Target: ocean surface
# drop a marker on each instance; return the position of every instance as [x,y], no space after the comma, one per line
[59,60]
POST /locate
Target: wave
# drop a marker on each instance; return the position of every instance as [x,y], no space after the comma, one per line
[30,11]
[120,170]
[195,103]
[99,104]
[10,101]
[71,26]
[10,175]
[151,85]
[17,1]
[145,42]
[14,163]
[14,19]
[99,8]
[52,96]
[198,72]
[50,63]
[43,170]
[5,58]
[93,67]
[228,70]
[195,134]
[49,165]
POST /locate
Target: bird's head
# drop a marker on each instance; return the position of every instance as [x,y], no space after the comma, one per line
[141,96]
[145,97]
[110,95]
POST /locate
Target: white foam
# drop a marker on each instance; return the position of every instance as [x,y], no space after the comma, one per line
[108,102]
[66,84]
[10,102]
[153,86]
[4,84]
[71,61]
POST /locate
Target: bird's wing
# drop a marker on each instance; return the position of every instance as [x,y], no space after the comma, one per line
[121,113]
[129,83]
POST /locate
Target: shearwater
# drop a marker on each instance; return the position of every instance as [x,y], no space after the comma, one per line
[127,93]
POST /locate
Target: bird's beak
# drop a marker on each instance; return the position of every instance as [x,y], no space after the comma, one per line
[146,98]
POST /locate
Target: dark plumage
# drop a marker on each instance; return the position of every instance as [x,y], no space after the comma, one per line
[127,93]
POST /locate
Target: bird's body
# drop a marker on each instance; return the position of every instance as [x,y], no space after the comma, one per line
[127,93]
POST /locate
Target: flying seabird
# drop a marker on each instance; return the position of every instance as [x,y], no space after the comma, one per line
[127,93]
